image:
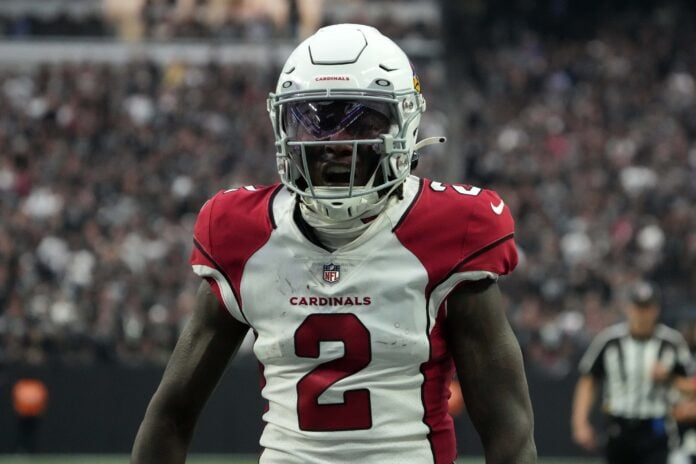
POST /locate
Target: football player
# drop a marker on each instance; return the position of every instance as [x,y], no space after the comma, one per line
[364,286]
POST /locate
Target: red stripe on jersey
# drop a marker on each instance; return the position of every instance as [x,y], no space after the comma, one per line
[437,373]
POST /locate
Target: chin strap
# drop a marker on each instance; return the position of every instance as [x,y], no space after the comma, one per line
[429,141]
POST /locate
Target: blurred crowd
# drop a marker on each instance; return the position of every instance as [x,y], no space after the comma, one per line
[591,143]
[102,172]
[222,20]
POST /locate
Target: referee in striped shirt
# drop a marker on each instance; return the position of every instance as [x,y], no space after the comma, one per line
[636,363]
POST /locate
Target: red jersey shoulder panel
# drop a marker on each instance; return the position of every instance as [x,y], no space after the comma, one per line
[458,228]
[230,228]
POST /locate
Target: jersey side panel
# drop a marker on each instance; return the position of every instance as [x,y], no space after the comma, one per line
[438,372]
[457,233]
[680,359]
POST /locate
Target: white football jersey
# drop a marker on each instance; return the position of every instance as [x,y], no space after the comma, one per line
[355,363]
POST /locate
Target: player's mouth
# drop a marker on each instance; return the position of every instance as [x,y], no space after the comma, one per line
[335,174]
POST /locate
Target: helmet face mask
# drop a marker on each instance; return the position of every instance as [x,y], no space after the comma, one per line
[338,123]
[345,127]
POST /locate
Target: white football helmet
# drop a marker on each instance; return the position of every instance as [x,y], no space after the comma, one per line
[351,86]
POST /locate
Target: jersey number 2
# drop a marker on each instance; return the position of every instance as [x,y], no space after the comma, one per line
[355,411]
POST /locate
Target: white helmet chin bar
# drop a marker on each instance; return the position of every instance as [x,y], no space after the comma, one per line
[346,208]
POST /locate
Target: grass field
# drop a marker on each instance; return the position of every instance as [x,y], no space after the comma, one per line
[85,459]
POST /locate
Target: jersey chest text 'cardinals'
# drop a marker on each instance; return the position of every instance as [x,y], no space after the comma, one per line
[355,364]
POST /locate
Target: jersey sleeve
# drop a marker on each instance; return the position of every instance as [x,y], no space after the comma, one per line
[459,233]
[683,362]
[487,245]
[488,248]
[592,362]
[231,227]
[691,368]
[205,265]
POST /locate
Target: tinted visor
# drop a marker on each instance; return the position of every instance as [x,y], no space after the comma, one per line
[321,119]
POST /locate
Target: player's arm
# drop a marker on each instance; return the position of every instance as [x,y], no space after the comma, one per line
[491,372]
[197,363]
[685,410]
[677,376]
[680,379]
[686,385]
[583,401]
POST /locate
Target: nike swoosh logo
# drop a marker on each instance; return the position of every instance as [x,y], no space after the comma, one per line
[498,209]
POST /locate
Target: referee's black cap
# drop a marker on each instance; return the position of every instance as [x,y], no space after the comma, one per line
[644,294]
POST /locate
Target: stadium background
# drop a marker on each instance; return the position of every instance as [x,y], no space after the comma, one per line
[118,118]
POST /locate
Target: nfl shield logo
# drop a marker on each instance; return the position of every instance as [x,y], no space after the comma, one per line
[332,272]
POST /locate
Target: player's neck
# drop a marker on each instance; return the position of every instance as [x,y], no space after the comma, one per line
[333,235]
